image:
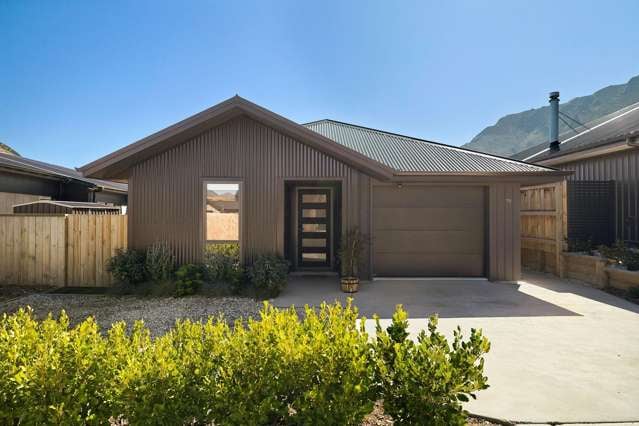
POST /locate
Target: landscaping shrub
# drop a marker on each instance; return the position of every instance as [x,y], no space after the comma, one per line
[629,257]
[283,368]
[223,265]
[160,262]
[189,279]
[128,266]
[268,275]
[425,382]
[578,246]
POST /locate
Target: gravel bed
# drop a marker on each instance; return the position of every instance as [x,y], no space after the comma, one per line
[11,292]
[158,314]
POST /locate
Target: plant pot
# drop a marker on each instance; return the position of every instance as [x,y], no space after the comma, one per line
[349,284]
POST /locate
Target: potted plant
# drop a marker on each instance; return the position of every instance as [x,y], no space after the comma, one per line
[350,256]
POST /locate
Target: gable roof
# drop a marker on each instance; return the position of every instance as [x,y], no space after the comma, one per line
[616,126]
[379,154]
[114,165]
[14,162]
[412,155]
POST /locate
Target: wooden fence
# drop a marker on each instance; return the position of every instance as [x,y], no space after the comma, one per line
[63,250]
[543,226]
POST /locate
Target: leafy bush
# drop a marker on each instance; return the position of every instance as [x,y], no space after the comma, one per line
[223,265]
[268,274]
[160,262]
[425,382]
[127,266]
[623,254]
[189,279]
[578,246]
[283,368]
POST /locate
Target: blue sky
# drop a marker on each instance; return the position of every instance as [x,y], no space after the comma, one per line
[79,79]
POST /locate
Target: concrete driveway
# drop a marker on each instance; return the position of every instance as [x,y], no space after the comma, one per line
[561,351]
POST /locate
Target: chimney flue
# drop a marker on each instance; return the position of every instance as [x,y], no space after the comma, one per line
[554,122]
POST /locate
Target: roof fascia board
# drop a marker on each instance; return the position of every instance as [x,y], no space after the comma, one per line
[587,153]
[461,179]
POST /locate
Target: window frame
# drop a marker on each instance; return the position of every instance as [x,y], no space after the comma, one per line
[224,180]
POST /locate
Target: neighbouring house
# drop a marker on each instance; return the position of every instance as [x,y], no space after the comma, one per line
[64,207]
[23,180]
[603,191]
[430,209]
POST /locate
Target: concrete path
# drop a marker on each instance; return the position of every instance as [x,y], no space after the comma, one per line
[561,351]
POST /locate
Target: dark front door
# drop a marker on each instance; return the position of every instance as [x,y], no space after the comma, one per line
[314,227]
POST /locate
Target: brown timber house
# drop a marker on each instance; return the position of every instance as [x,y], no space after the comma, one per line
[430,209]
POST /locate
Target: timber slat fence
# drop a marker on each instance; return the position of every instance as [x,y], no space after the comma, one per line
[62,250]
[543,226]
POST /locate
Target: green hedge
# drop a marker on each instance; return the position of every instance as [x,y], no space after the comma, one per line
[285,368]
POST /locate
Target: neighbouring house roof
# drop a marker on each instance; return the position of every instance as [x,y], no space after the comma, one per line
[614,127]
[380,154]
[38,167]
[72,205]
[412,155]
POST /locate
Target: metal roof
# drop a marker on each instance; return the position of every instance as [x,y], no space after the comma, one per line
[34,166]
[607,129]
[412,155]
[72,204]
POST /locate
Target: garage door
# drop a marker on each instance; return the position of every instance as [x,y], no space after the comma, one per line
[424,231]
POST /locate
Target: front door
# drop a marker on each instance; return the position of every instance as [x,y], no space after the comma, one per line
[314,227]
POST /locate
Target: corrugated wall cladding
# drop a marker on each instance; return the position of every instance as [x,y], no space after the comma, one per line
[623,168]
[504,242]
[166,199]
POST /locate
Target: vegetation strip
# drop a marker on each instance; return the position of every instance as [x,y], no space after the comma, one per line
[320,368]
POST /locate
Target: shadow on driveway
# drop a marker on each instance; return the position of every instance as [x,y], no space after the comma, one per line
[449,298]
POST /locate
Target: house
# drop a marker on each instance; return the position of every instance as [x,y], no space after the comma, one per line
[23,180]
[430,209]
[603,191]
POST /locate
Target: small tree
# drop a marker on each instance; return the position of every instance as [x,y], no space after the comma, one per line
[351,251]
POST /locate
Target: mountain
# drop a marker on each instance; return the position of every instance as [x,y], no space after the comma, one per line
[6,149]
[515,132]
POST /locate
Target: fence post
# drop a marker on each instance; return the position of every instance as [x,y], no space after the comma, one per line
[66,249]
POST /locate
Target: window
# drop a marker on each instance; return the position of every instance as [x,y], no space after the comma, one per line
[223,212]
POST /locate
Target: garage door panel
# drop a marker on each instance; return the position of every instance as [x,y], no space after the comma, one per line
[429,231]
[428,196]
[429,242]
[414,265]
[425,218]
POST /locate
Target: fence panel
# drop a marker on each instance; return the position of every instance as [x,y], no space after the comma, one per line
[91,241]
[59,250]
[32,250]
[543,226]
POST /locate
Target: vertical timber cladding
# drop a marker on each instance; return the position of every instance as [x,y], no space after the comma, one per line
[166,197]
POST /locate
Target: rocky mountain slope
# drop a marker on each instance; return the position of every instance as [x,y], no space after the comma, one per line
[515,132]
